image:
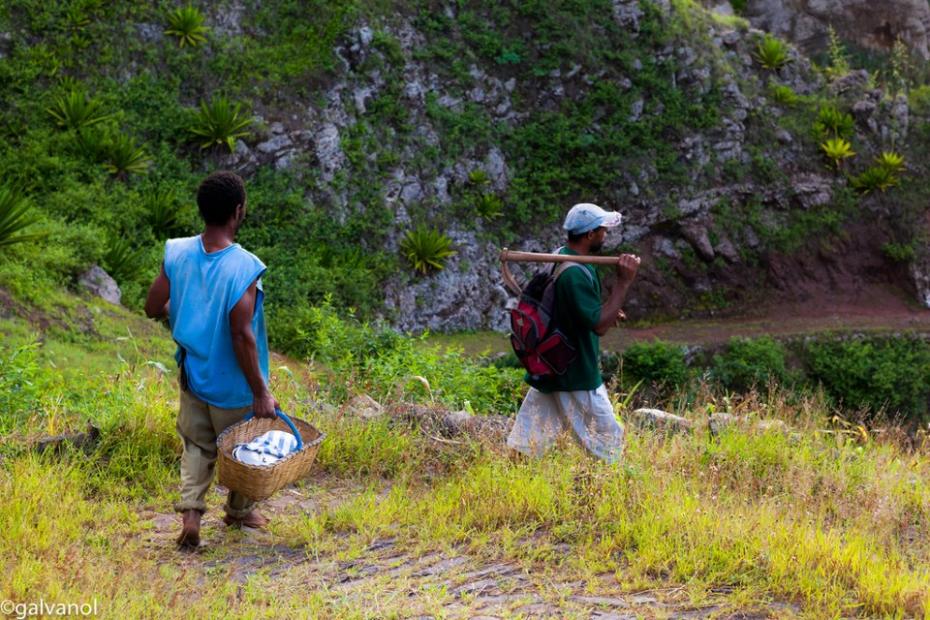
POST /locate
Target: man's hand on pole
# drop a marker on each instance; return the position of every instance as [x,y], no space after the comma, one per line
[611,313]
[627,266]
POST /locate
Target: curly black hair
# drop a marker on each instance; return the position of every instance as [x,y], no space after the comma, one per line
[218,196]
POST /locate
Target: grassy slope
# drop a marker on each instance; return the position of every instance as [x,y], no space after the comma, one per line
[834,522]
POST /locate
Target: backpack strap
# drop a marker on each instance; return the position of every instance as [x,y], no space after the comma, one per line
[562,268]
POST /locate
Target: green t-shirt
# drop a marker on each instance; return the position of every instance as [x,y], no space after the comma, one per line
[577,313]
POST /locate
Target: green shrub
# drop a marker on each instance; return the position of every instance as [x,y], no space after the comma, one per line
[900,252]
[891,374]
[874,178]
[426,249]
[658,363]
[122,260]
[76,110]
[385,364]
[919,99]
[21,384]
[186,23]
[122,156]
[15,216]
[220,122]
[833,123]
[772,53]
[91,143]
[748,363]
[783,95]
[837,150]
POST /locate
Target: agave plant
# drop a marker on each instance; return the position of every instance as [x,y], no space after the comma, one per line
[76,110]
[772,53]
[186,23]
[121,260]
[91,142]
[122,156]
[162,212]
[14,217]
[891,160]
[784,95]
[489,206]
[426,249]
[220,122]
[837,150]
[832,122]
[874,178]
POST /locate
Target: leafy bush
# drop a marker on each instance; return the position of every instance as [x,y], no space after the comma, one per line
[837,150]
[919,99]
[659,363]
[874,178]
[874,373]
[900,252]
[20,386]
[783,95]
[385,364]
[122,156]
[220,122]
[76,110]
[748,363]
[121,260]
[772,53]
[832,122]
[186,23]
[15,216]
[426,249]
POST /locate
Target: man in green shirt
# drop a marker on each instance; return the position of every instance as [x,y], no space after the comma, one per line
[577,400]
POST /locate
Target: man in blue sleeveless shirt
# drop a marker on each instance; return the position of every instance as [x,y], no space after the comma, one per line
[210,288]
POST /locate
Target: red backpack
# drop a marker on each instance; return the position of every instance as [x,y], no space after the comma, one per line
[542,348]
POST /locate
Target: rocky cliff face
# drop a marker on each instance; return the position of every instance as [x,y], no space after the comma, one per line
[721,181]
[872,24]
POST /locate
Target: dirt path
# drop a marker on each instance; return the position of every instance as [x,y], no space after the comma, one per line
[780,321]
[387,576]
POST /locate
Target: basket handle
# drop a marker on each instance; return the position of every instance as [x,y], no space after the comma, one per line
[287,420]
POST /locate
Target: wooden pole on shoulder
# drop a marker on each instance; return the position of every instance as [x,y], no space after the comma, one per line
[510,256]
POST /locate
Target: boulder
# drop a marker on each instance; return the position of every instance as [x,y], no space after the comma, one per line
[718,422]
[101,284]
[364,406]
[660,420]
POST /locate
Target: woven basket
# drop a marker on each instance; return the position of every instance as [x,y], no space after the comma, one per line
[259,482]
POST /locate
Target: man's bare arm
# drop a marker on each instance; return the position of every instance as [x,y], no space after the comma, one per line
[627,265]
[156,304]
[243,340]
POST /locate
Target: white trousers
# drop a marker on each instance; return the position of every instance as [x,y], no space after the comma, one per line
[588,414]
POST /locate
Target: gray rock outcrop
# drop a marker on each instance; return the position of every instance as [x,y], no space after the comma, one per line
[875,24]
[98,282]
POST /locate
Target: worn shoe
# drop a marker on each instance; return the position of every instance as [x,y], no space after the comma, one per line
[254,519]
[190,529]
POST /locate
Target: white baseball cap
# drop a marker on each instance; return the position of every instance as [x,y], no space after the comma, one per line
[585,217]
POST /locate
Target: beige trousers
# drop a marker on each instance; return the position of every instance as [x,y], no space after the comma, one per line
[588,414]
[199,424]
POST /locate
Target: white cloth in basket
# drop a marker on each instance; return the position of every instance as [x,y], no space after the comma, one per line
[266,449]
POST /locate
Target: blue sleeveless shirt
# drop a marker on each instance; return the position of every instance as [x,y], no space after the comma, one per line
[204,288]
